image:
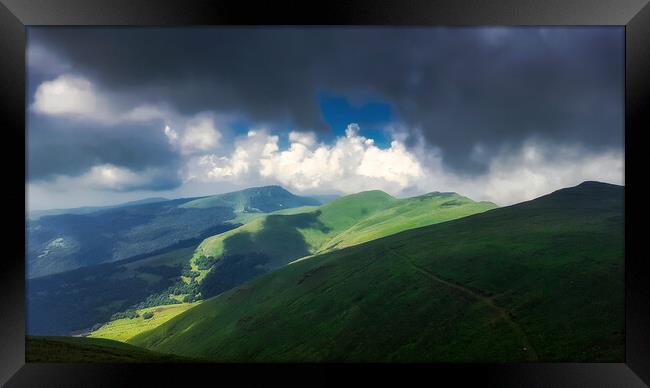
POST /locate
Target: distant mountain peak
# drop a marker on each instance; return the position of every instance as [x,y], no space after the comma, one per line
[440,194]
[368,193]
[269,187]
[589,187]
[586,195]
[596,184]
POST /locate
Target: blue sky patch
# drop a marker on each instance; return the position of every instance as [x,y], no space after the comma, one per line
[371,115]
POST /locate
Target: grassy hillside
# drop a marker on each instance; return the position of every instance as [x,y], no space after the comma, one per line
[90,350]
[537,281]
[282,236]
[125,328]
[268,242]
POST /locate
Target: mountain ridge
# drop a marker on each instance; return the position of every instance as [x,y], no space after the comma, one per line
[553,267]
[62,242]
[268,242]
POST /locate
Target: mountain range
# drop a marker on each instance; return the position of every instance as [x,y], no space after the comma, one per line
[364,277]
[81,237]
[265,242]
[541,280]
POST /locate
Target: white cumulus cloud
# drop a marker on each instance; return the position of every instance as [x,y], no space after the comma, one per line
[110,177]
[66,95]
[75,97]
[352,163]
[200,135]
[171,134]
[307,139]
[105,177]
[355,163]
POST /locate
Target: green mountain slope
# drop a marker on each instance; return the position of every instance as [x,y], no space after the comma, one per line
[271,241]
[274,240]
[80,349]
[537,281]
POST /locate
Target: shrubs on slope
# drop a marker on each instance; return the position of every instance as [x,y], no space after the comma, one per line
[125,314]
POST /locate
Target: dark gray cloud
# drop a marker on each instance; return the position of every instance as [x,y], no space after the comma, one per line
[461,87]
[65,148]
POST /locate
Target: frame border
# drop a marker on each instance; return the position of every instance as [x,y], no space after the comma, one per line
[15,15]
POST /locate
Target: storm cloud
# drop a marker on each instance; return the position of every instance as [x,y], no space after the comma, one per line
[55,149]
[460,87]
[469,96]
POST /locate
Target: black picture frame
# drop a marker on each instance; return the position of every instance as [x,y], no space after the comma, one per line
[15,15]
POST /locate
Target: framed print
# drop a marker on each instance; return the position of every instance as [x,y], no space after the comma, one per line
[375,189]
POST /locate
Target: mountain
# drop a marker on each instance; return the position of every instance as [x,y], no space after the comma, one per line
[270,241]
[36,214]
[253,200]
[63,242]
[137,282]
[542,280]
[266,243]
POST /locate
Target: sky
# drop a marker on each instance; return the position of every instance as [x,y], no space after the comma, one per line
[503,114]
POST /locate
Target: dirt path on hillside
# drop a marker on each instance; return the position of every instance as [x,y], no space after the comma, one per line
[503,313]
